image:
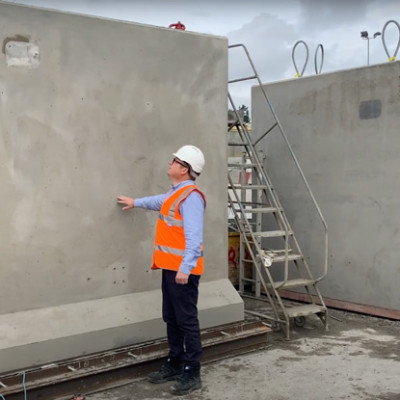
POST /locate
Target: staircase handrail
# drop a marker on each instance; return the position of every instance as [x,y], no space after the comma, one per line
[321,217]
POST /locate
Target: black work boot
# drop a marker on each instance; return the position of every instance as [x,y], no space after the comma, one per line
[169,371]
[188,381]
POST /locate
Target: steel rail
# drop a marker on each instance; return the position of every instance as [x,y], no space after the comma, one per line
[114,368]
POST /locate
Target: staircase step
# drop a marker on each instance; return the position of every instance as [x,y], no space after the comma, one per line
[248,280]
[271,233]
[249,187]
[304,310]
[249,260]
[292,283]
[260,210]
[238,144]
[291,257]
[250,203]
[242,165]
[281,251]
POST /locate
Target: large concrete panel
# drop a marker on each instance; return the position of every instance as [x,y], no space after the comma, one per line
[93,108]
[344,128]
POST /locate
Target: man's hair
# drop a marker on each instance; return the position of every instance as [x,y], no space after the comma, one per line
[193,175]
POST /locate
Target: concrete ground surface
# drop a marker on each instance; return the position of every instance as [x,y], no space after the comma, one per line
[357,358]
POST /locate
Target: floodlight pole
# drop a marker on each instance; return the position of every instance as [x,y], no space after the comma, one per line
[364,35]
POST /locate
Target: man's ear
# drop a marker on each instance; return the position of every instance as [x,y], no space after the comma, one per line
[186,171]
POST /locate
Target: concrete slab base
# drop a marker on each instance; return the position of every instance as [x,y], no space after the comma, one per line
[50,334]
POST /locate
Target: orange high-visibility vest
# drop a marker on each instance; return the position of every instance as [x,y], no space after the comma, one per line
[169,243]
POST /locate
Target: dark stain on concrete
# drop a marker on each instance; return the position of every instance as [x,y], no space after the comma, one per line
[291,359]
[387,396]
[16,38]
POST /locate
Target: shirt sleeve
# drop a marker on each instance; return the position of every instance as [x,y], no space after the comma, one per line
[192,211]
[151,202]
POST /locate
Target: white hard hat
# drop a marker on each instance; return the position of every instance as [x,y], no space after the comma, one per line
[193,156]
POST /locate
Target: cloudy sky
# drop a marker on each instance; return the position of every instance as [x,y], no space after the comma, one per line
[269,28]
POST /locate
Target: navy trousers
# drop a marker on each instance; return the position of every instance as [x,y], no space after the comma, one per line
[180,315]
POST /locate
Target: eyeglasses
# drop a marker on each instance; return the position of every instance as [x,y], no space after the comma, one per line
[180,162]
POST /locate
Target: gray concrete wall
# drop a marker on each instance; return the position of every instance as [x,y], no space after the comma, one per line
[93,108]
[344,128]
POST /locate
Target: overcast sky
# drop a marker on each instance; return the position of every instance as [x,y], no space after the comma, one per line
[269,28]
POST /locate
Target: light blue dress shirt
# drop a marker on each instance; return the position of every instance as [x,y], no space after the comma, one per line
[192,211]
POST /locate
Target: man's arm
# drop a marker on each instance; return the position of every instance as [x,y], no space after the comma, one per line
[150,203]
[192,211]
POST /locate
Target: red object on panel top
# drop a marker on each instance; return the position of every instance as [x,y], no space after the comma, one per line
[178,25]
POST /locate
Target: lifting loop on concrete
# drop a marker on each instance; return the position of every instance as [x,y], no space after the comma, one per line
[318,70]
[300,74]
[391,58]
[178,25]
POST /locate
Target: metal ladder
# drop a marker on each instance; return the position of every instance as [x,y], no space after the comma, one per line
[267,240]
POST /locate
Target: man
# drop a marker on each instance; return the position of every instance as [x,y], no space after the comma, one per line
[178,251]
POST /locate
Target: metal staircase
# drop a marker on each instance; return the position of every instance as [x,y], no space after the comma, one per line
[270,256]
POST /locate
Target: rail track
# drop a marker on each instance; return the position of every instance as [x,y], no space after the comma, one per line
[91,373]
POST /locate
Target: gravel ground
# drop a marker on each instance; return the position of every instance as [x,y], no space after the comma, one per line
[358,357]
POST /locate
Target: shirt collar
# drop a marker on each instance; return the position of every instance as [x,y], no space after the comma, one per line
[182,184]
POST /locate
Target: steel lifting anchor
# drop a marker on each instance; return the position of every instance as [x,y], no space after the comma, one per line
[391,58]
[318,69]
[321,48]
[300,74]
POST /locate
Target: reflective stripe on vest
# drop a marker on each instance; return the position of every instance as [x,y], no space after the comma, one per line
[178,200]
[170,242]
[171,221]
[172,250]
